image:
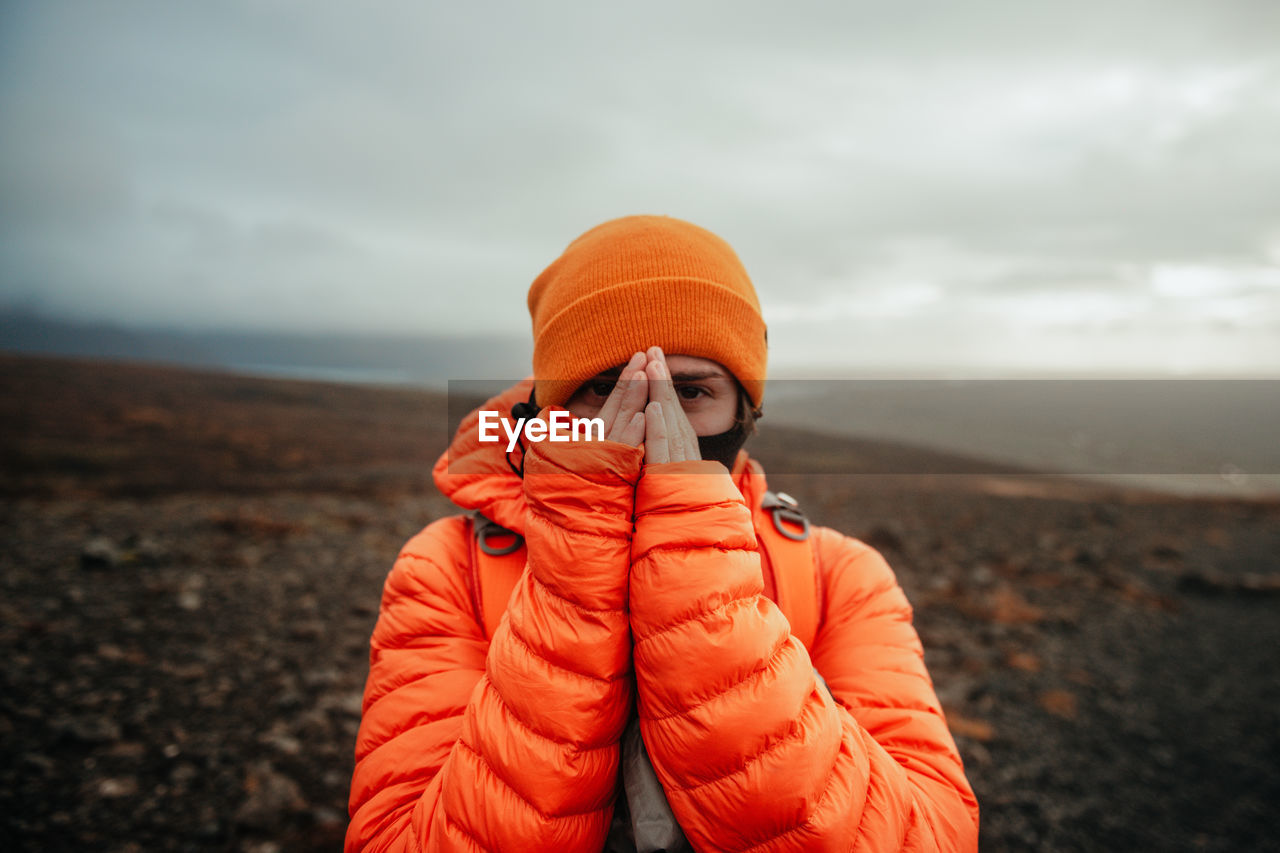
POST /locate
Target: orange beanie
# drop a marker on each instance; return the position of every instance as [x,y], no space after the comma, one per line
[637,282]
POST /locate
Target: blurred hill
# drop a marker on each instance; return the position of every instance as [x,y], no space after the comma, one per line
[375,358]
[1192,436]
[1183,435]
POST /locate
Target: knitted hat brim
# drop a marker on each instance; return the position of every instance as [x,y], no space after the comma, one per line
[595,333]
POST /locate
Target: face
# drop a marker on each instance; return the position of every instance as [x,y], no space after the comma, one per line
[707,392]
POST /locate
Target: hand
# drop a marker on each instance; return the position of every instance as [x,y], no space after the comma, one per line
[623,411]
[668,435]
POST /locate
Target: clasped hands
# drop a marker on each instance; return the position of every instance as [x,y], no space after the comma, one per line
[643,408]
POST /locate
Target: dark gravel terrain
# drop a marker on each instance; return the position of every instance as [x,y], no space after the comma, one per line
[192,563]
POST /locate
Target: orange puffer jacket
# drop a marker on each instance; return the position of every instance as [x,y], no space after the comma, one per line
[643,595]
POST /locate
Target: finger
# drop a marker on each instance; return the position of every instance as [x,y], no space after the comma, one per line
[690,436]
[682,418]
[633,433]
[655,435]
[634,397]
[609,411]
[671,414]
[689,440]
[681,439]
[660,387]
[660,392]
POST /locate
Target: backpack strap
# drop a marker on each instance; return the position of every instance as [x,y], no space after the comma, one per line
[783,531]
[497,561]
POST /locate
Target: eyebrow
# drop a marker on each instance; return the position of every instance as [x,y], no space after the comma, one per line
[697,375]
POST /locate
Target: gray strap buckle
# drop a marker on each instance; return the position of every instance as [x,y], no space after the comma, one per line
[487,530]
[783,507]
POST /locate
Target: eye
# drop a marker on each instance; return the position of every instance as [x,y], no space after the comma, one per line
[601,387]
[690,392]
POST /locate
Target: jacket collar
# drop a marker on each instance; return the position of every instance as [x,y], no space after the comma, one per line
[476,476]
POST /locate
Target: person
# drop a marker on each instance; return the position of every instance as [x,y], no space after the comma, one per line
[643,607]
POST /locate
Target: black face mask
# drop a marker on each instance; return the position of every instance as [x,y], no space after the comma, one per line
[723,447]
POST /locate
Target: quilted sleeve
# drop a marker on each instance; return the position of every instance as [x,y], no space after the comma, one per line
[871,658]
[752,752]
[513,745]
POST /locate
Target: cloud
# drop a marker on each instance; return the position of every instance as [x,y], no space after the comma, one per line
[955,172]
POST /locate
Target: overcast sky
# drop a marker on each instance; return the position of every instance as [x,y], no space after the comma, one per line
[941,186]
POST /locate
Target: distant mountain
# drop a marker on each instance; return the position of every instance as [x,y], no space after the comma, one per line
[1192,435]
[426,359]
[1182,435]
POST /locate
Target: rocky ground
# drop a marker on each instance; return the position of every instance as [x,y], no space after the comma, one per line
[192,562]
